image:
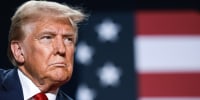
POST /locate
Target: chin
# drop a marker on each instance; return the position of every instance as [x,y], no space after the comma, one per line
[59,80]
[62,77]
[60,74]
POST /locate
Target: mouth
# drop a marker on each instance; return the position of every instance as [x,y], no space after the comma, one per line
[58,64]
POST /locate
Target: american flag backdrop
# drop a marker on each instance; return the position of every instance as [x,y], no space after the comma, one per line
[125,53]
[104,55]
[142,55]
[167,48]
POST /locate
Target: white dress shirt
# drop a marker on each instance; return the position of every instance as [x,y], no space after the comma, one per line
[30,89]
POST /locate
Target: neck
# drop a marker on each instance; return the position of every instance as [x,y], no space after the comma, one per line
[48,88]
[44,85]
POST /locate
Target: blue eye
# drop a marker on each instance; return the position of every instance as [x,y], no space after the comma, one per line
[68,40]
[46,39]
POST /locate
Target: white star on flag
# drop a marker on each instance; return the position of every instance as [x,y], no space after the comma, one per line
[107,30]
[102,71]
[109,75]
[84,53]
[85,93]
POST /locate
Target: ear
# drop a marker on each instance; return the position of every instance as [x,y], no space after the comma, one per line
[17,51]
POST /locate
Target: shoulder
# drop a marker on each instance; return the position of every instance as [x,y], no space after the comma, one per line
[63,96]
[8,76]
[3,73]
[10,87]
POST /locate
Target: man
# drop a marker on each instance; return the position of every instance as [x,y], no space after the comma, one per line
[41,44]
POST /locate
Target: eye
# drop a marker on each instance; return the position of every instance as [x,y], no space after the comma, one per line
[46,39]
[69,40]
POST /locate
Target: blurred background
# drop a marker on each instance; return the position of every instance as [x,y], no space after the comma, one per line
[130,49]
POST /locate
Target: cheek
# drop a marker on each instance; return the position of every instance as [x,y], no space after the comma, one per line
[70,53]
[43,50]
[39,56]
[70,60]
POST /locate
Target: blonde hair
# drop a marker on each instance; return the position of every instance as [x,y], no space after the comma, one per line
[32,11]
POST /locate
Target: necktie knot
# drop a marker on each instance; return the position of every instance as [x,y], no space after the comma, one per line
[40,96]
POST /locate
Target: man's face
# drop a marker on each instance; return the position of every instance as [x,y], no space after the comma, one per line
[48,50]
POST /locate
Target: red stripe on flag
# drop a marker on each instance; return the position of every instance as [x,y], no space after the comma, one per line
[169,84]
[167,22]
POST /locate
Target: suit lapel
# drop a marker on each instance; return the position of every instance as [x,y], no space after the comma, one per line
[62,96]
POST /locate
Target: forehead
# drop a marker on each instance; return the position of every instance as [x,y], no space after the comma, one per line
[50,25]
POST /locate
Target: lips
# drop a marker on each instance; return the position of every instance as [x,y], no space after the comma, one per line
[59,64]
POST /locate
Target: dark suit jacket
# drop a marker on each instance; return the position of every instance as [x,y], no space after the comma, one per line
[10,87]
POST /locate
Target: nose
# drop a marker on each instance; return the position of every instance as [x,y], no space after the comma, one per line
[59,47]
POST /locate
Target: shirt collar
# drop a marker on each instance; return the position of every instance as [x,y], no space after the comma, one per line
[30,89]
